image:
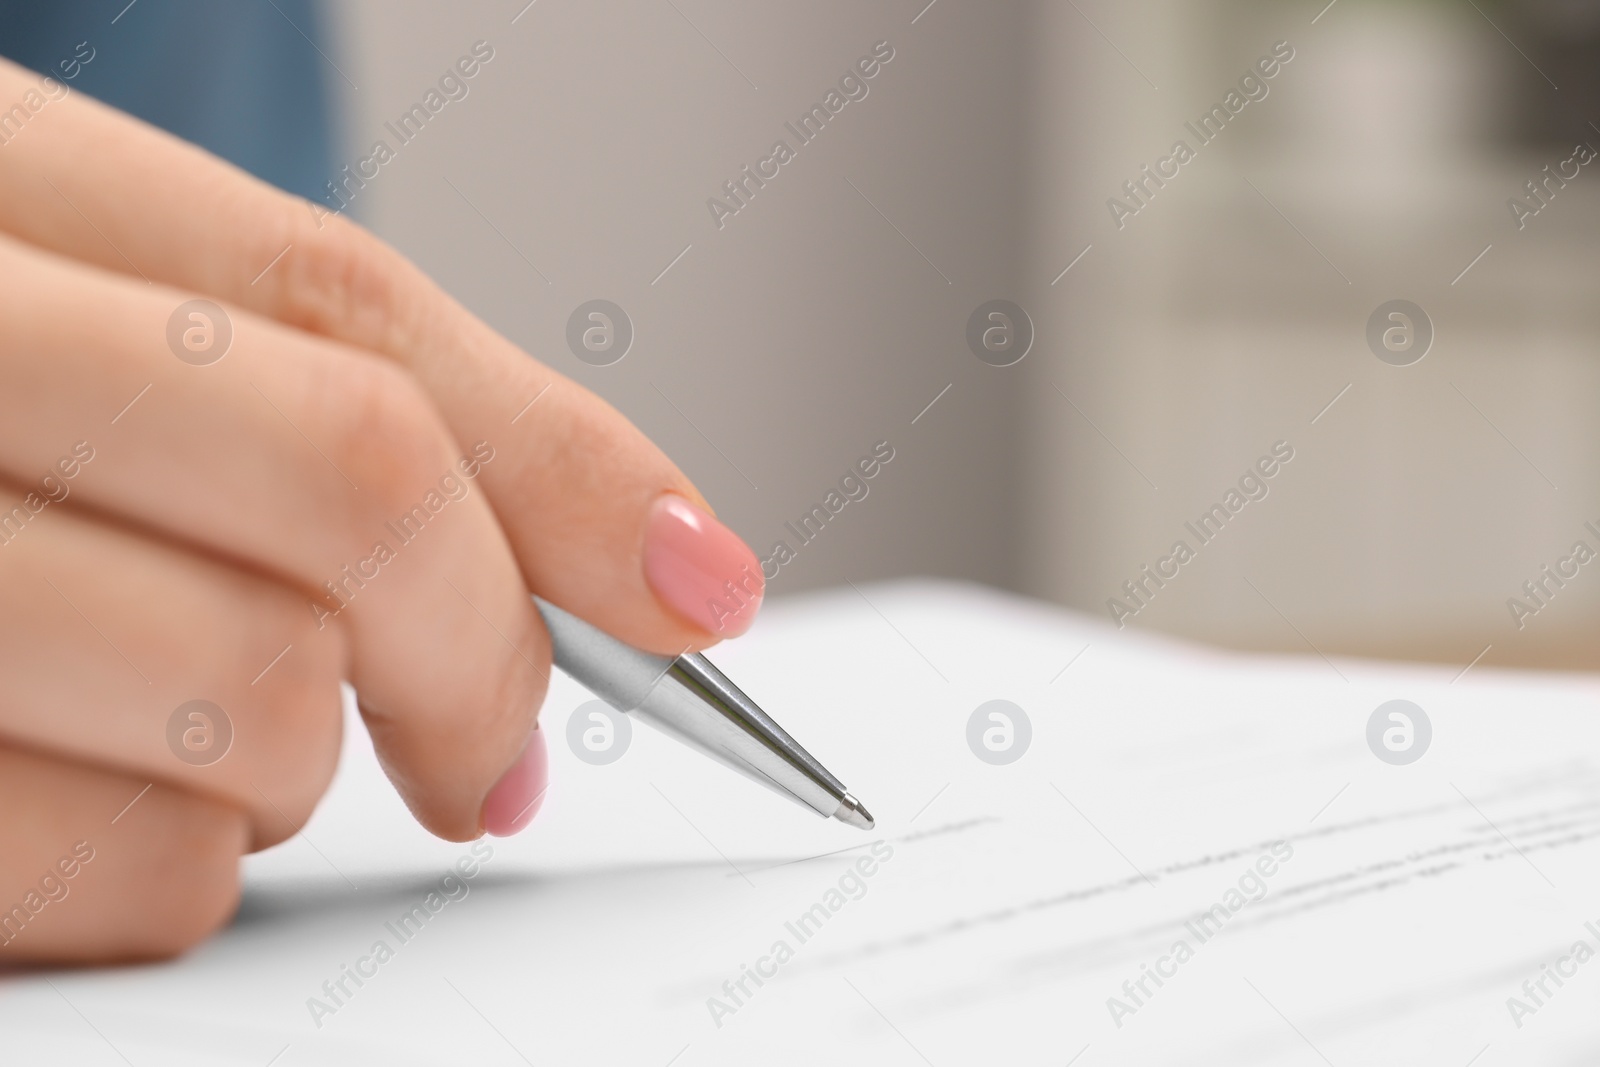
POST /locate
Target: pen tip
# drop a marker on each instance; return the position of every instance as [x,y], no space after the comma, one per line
[852,813]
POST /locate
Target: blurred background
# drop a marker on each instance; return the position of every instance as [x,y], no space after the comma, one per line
[1172,346]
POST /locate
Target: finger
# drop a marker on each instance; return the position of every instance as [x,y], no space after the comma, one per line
[321,465]
[158,664]
[100,870]
[600,521]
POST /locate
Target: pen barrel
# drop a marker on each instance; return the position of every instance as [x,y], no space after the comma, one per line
[690,699]
[617,673]
[697,704]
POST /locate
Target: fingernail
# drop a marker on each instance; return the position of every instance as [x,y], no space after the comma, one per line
[700,569]
[517,796]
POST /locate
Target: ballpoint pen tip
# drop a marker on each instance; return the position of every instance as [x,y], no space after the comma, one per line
[851,812]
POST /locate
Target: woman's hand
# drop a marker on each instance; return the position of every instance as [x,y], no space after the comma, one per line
[327,470]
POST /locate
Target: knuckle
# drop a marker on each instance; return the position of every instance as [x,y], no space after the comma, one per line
[343,282]
[204,839]
[388,438]
[297,718]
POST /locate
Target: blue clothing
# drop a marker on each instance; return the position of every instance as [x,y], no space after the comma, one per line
[241,78]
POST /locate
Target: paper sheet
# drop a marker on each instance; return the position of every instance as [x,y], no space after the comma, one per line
[1331,907]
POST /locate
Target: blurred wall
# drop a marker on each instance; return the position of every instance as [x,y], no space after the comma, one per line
[1232,309]
[820,319]
[1175,347]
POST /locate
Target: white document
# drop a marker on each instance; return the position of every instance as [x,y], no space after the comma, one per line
[1198,859]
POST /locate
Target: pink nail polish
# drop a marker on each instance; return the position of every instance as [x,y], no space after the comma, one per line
[516,797]
[700,569]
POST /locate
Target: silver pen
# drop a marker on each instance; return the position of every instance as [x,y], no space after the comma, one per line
[696,703]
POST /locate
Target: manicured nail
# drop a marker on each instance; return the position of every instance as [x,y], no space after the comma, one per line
[516,797]
[700,569]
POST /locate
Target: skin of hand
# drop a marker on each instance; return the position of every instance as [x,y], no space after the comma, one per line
[358,486]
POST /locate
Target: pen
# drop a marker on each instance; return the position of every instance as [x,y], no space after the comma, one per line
[696,703]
